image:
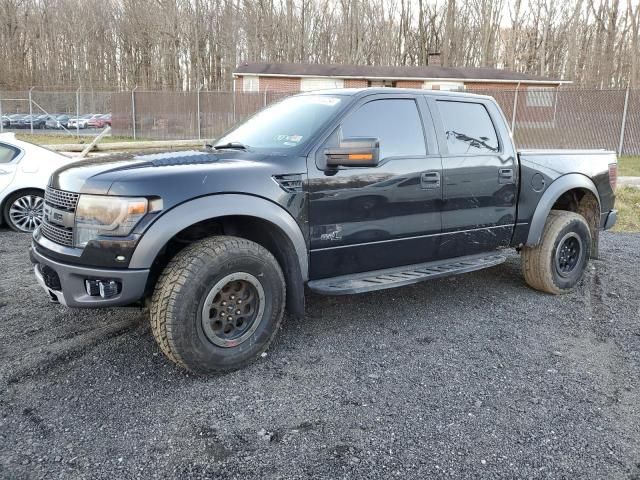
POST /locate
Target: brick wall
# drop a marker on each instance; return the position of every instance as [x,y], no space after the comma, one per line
[279,84]
[355,83]
[273,84]
[291,84]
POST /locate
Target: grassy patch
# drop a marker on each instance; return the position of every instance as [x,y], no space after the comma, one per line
[628,205]
[629,166]
[63,139]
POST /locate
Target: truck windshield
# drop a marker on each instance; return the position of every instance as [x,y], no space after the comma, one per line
[286,124]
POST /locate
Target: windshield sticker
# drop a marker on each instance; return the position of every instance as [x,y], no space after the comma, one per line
[289,139]
[322,100]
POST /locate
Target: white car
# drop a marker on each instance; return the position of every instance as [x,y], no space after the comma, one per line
[81,122]
[24,172]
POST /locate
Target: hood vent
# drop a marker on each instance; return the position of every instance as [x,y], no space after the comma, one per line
[179,158]
[290,183]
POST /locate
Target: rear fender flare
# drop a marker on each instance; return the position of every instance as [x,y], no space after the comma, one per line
[563,184]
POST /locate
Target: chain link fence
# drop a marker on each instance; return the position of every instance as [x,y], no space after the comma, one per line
[181,115]
[539,118]
[27,111]
[572,118]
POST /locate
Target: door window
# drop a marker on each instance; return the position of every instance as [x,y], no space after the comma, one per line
[7,153]
[395,122]
[468,128]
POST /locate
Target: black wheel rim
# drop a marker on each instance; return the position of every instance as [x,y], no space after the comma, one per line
[568,254]
[233,309]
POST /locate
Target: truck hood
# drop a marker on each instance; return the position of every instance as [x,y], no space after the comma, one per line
[177,176]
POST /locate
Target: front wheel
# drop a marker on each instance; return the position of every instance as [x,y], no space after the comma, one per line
[218,304]
[23,210]
[558,262]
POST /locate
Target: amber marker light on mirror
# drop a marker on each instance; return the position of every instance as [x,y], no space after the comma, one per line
[360,156]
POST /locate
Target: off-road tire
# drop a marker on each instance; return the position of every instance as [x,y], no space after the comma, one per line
[539,265]
[180,294]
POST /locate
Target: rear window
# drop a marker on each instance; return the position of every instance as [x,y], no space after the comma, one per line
[7,153]
[468,128]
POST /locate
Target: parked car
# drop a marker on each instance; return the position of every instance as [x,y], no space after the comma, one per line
[93,121]
[38,121]
[342,192]
[100,121]
[6,121]
[23,122]
[24,171]
[14,120]
[82,122]
[57,122]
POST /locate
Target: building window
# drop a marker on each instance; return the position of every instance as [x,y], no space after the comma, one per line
[445,86]
[320,83]
[540,96]
[382,83]
[250,83]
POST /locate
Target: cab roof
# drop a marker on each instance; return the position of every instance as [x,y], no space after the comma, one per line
[361,92]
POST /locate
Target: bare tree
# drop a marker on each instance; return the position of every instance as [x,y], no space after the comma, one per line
[187,44]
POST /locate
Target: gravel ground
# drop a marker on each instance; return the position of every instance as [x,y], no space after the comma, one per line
[474,376]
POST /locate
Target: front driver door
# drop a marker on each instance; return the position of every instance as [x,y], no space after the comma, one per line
[369,218]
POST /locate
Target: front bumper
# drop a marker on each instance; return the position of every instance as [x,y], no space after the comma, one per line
[65,283]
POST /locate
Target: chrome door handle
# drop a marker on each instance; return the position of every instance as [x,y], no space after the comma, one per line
[430,180]
[505,175]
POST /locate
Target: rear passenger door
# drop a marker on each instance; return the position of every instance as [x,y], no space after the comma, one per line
[480,175]
[8,164]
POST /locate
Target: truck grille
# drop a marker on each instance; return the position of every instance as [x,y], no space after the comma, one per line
[60,199]
[64,201]
[61,235]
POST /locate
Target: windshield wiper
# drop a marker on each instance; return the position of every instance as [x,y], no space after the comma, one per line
[232,146]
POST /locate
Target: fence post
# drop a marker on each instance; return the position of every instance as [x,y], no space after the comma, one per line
[31,110]
[555,106]
[264,101]
[1,121]
[78,112]
[515,108]
[234,104]
[624,121]
[198,102]
[133,110]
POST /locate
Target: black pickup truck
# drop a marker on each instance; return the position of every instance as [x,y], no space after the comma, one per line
[341,191]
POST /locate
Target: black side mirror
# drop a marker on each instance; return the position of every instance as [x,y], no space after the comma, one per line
[354,152]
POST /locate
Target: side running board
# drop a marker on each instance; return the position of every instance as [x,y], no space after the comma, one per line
[399,276]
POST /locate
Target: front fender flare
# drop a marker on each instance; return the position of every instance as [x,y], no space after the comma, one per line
[205,208]
[563,184]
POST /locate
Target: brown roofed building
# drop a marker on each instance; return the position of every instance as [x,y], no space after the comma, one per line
[295,77]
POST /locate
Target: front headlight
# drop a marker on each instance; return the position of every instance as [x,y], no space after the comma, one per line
[104,215]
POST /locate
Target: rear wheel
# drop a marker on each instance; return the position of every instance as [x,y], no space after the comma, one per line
[558,262]
[218,304]
[23,210]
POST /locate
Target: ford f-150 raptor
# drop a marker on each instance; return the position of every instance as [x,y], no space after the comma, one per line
[340,191]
